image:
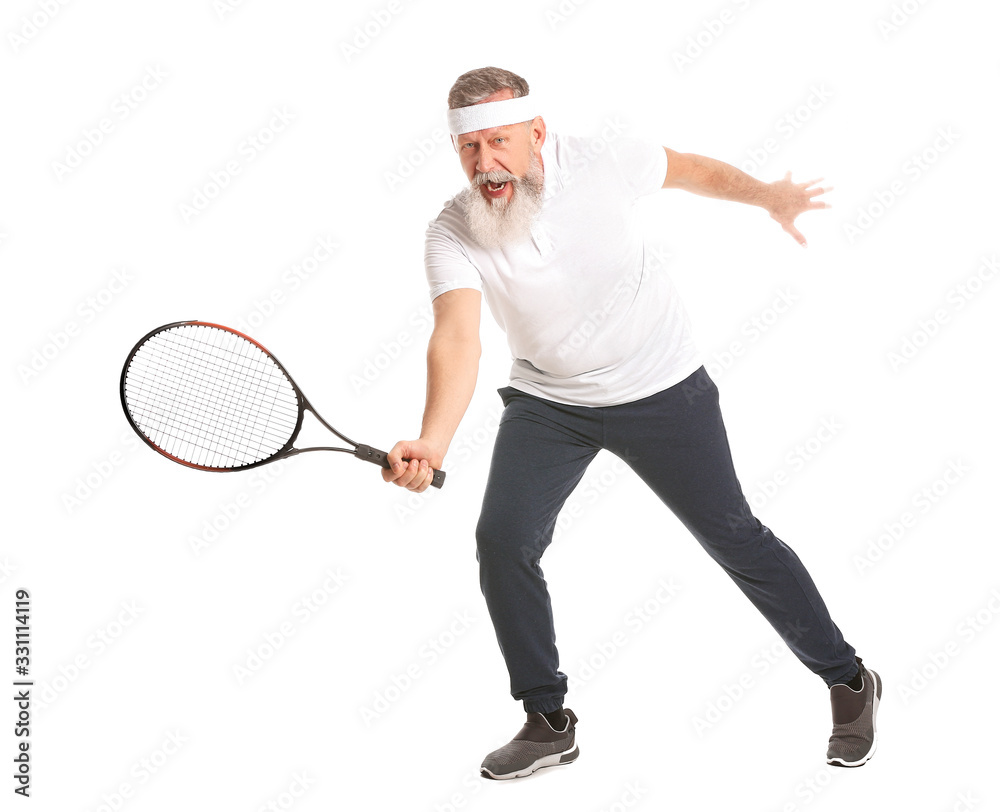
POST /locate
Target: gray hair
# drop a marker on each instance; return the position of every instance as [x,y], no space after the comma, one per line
[472,87]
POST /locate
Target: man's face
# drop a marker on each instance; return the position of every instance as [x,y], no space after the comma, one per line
[506,175]
[501,150]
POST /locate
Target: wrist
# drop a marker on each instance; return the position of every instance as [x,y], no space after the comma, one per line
[436,445]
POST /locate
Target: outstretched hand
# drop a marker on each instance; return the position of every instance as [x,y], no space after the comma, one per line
[789,200]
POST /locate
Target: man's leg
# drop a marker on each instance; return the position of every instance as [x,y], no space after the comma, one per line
[676,442]
[541,452]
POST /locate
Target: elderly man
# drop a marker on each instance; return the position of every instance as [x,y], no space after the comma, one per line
[547,232]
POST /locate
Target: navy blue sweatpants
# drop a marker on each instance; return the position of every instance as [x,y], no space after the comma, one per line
[676,442]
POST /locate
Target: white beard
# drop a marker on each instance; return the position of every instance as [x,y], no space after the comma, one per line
[495,223]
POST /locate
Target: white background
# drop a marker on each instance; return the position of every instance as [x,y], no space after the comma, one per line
[139,628]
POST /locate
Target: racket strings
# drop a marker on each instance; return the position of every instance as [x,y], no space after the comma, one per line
[210,397]
[223,397]
[231,397]
[217,407]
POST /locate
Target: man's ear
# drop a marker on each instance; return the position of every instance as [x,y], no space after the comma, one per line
[536,131]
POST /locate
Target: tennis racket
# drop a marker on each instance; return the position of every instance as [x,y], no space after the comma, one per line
[211,398]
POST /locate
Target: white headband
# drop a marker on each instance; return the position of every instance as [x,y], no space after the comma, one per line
[491,114]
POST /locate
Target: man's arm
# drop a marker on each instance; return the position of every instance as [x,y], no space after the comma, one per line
[452,368]
[782,199]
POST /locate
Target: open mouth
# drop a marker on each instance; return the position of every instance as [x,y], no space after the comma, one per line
[496,187]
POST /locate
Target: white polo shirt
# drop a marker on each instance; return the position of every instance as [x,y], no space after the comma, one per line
[591,317]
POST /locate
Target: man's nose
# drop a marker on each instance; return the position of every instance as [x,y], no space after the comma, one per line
[486,162]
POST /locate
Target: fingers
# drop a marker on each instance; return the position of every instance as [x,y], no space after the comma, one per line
[398,453]
[415,475]
[796,234]
[796,200]
[818,204]
[807,186]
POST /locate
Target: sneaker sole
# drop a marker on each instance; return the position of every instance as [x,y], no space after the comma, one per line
[839,762]
[554,760]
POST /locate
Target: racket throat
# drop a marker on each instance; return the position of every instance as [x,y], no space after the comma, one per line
[314,434]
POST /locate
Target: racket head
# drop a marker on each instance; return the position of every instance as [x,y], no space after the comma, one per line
[210,397]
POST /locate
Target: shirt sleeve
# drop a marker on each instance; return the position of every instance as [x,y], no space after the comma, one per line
[642,165]
[446,263]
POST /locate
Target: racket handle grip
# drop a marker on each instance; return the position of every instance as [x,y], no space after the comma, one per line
[366,452]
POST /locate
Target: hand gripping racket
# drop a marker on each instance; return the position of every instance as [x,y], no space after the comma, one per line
[212,398]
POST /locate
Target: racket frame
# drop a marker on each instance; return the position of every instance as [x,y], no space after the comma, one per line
[361,451]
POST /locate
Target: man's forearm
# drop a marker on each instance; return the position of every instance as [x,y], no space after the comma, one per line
[713,178]
[782,199]
[452,369]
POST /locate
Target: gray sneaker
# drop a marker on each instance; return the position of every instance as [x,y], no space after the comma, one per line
[537,745]
[854,737]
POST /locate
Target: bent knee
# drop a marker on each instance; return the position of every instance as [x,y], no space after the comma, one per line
[503,537]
